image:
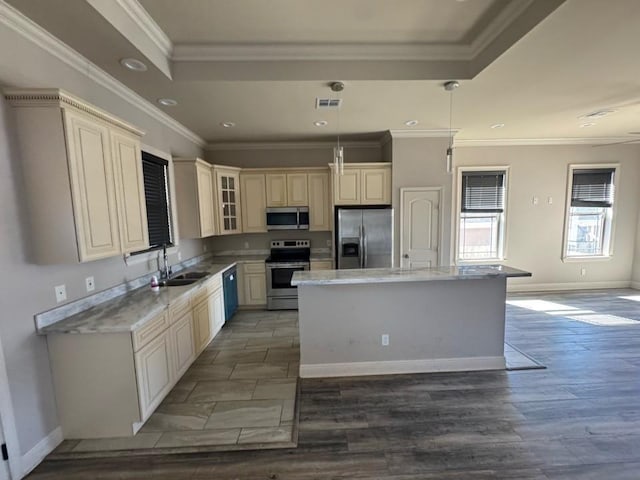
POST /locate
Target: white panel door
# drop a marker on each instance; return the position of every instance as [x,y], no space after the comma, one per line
[419,228]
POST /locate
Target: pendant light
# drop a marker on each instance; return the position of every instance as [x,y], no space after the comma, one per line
[338,151]
[450,87]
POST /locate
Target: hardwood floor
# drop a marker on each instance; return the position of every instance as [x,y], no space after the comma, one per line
[577,419]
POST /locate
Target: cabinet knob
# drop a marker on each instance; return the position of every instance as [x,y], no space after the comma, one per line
[406,255]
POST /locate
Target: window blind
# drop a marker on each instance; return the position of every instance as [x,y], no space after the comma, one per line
[155,188]
[483,192]
[592,188]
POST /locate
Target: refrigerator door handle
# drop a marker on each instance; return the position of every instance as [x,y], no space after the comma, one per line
[364,248]
[360,249]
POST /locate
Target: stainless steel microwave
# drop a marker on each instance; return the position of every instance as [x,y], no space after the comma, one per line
[288,218]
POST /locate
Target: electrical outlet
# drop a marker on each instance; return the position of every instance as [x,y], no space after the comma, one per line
[534,200]
[550,200]
[179,256]
[61,293]
[91,285]
[583,271]
[246,244]
[385,340]
[329,243]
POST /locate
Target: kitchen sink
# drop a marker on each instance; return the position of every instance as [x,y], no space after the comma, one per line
[191,275]
[178,282]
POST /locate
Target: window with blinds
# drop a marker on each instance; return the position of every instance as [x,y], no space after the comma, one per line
[590,212]
[157,199]
[481,216]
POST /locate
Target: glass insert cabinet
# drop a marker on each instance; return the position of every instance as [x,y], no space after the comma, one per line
[228,186]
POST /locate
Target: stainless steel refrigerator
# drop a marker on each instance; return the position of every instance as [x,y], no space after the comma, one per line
[364,237]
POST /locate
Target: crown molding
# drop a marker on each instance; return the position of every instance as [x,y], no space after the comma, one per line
[511,142]
[56,97]
[141,17]
[430,133]
[34,33]
[498,24]
[287,145]
[319,52]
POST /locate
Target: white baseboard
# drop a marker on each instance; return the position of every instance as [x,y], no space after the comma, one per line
[635,285]
[44,447]
[547,287]
[354,369]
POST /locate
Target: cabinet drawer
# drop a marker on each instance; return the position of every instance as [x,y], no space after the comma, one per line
[178,308]
[321,265]
[202,293]
[149,331]
[254,267]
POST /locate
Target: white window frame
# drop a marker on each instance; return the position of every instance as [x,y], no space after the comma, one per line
[154,255]
[608,244]
[502,241]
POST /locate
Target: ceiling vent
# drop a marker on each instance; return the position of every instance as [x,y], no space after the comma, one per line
[328,102]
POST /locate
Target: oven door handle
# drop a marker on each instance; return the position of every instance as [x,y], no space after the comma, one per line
[271,266]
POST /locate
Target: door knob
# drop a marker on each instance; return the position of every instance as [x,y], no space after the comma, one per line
[406,255]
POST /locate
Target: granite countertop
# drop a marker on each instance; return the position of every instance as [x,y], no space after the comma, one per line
[394,275]
[132,310]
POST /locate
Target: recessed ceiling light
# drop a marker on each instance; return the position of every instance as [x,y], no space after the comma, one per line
[497,125]
[585,125]
[227,124]
[596,114]
[133,64]
[411,123]
[167,102]
[321,123]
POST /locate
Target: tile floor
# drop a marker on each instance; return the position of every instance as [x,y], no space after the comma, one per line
[239,393]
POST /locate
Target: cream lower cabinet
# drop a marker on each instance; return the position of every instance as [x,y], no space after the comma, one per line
[108,384]
[82,174]
[253,282]
[321,265]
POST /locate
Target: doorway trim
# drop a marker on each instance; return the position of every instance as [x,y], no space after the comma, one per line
[403,191]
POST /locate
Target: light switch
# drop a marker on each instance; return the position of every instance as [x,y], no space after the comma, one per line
[61,293]
[534,200]
[550,200]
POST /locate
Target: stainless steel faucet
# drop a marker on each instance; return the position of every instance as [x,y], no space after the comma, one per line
[165,271]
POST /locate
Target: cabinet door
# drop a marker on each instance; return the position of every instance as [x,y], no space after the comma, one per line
[276,190]
[202,325]
[205,201]
[254,202]
[130,198]
[228,185]
[154,373]
[183,344]
[255,289]
[376,186]
[347,187]
[319,207]
[218,312]
[321,265]
[92,187]
[297,190]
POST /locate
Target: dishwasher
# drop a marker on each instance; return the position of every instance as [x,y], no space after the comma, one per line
[230,291]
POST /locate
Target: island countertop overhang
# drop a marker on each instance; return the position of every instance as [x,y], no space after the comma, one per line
[399,275]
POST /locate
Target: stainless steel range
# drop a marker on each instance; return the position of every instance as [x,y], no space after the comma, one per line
[287,257]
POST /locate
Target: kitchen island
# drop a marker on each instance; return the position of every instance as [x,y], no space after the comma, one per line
[393,320]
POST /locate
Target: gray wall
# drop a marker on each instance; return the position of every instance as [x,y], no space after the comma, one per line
[421,162]
[290,157]
[27,288]
[535,232]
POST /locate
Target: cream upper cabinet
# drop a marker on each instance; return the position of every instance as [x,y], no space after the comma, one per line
[92,187]
[375,186]
[362,184]
[297,190]
[287,189]
[276,189]
[130,197]
[194,197]
[254,202]
[346,190]
[319,204]
[228,211]
[82,173]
